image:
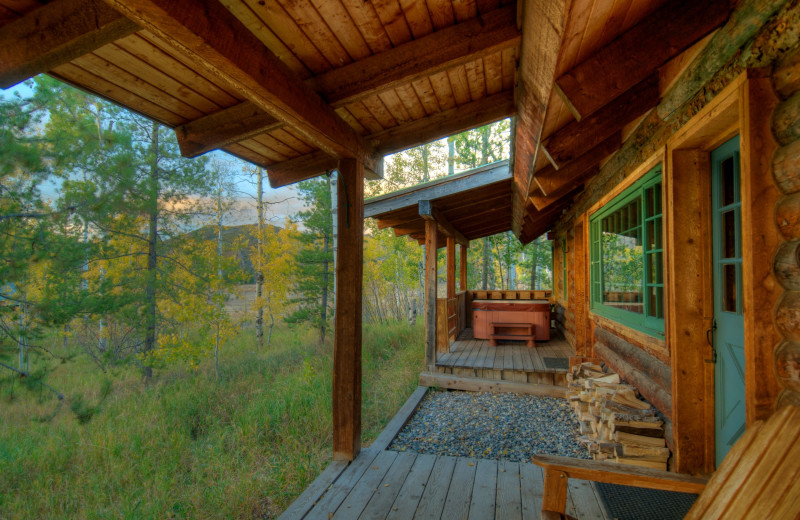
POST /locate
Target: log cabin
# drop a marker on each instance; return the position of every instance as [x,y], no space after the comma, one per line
[656,141]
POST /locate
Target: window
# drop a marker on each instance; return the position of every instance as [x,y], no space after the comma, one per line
[627,257]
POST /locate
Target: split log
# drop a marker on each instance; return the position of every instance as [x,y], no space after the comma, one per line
[658,371]
[747,19]
[629,450]
[786,120]
[787,216]
[644,432]
[787,265]
[787,365]
[787,315]
[652,391]
[786,167]
[786,78]
[638,440]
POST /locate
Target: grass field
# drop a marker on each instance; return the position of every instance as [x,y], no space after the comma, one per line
[187,446]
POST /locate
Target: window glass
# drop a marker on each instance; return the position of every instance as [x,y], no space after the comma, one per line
[626,256]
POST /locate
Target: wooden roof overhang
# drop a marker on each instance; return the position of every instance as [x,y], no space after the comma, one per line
[296,86]
[466,206]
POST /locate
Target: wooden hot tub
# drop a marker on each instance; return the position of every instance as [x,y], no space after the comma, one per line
[535,312]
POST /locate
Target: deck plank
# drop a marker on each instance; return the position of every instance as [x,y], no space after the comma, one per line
[517,350]
[383,498]
[508,358]
[330,502]
[527,361]
[456,507]
[433,499]
[484,490]
[532,486]
[357,499]
[475,350]
[305,502]
[585,500]
[509,498]
[405,505]
[498,358]
[491,352]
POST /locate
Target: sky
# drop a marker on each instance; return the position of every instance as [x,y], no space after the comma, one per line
[281,202]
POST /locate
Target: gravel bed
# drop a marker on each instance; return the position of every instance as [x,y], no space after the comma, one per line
[491,426]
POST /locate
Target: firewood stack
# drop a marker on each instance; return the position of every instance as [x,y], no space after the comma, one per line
[615,424]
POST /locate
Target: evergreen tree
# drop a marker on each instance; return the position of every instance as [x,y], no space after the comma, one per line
[314,280]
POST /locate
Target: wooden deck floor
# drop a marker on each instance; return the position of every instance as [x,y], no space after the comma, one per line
[474,358]
[382,484]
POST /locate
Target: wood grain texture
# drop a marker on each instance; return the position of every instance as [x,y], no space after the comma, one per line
[570,175]
[431,283]
[56,34]
[347,331]
[222,45]
[635,54]
[759,244]
[543,27]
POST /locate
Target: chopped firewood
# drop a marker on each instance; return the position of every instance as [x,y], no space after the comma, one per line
[638,440]
[647,452]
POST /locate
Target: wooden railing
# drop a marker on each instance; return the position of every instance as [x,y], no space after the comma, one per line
[451,319]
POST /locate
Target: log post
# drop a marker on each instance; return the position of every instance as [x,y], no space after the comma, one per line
[347,332]
[463,268]
[451,268]
[430,293]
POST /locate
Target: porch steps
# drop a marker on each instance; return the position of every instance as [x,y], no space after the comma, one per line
[475,384]
[513,332]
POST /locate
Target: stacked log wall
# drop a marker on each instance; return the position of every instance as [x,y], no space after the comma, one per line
[774,49]
[786,172]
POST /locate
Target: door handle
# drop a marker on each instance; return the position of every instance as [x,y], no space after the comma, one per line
[710,339]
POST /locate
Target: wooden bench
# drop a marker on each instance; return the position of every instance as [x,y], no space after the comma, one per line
[759,478]
[512,331]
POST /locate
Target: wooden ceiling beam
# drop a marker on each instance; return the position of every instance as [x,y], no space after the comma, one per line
[578,137]
[221,45]
[417,59]
[57,33]
[550,180]
[470,115]
[441,50]
[441,124]
[637,53]
[543,24]
[428,212]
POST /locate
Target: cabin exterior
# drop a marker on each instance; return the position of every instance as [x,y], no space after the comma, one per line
[657,142]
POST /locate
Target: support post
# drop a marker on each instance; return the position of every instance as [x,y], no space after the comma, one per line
[347,332]
[430,293]
[451,268]
[462,260]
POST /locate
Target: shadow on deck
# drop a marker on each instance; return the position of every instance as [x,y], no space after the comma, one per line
[390,485]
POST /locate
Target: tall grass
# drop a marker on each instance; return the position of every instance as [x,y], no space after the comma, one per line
[187,446]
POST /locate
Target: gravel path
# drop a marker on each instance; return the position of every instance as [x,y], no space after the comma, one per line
[491,426]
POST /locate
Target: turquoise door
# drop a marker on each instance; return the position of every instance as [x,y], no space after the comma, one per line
[728,330]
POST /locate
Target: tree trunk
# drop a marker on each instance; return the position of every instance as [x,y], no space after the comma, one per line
[324,307]
[451,159]
[259,252]
[487,254]
[152,259]
[533,268]
[332,188]
[425,172]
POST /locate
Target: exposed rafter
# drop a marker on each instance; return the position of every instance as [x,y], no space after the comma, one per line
[578,137]
[220,44]
[427,211]
[470,115]
[636,54]
[55,34]
[404,64]
[551,180]
[543,27]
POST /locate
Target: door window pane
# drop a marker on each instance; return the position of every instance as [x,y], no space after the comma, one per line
[729,234]
[729,290]
[728,186]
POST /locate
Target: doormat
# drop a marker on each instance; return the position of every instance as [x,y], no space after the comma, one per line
[633,503]
[556,363]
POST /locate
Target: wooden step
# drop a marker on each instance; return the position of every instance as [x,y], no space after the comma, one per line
[528,337]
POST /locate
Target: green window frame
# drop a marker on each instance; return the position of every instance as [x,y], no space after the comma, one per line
[627,257]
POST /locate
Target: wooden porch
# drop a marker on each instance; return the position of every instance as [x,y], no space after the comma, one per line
[469,357]
[386,484]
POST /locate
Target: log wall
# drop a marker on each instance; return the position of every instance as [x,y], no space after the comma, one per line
[786,265]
